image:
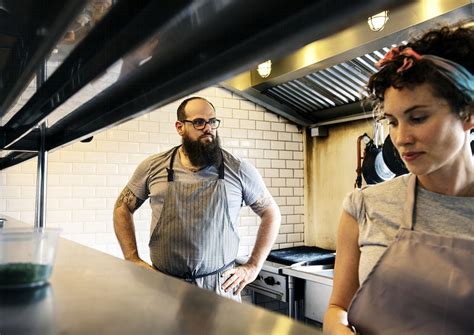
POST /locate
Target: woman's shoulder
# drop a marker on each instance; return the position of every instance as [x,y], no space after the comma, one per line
[383,189]
[396,184]
[389,193]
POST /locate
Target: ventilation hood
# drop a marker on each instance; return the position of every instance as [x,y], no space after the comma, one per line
[323,82]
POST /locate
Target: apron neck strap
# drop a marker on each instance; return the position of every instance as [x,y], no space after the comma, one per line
[221,166]
[409,209]
[170,170]
[173,155]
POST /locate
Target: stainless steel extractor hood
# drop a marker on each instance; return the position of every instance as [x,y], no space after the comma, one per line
[323,82]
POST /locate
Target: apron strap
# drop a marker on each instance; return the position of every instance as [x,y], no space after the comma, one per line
[173,155]
[170,170]
[190,278]
[221,166]
[409,208]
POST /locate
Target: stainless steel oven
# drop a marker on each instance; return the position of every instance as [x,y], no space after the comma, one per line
[273,283]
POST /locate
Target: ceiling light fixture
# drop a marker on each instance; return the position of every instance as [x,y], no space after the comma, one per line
[377,22]
[265,69]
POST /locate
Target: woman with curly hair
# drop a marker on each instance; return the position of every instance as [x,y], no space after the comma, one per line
[405,247]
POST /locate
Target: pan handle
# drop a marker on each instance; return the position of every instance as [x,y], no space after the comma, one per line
[364,137]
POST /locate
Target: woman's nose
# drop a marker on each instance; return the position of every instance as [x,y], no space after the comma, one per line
[402,135]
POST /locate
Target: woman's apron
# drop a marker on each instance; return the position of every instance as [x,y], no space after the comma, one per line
[422,284]
[194,238]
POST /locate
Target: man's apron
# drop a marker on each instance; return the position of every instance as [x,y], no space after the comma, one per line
[422,284]
[194,238]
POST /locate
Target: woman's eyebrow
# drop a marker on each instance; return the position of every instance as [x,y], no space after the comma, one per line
[408,110]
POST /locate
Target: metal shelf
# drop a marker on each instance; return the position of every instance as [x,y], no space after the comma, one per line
[33,29]
[200,44]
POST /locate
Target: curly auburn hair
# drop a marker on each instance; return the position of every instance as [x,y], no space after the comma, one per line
[455,43]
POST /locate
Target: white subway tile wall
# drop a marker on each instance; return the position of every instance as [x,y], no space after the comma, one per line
[84,179]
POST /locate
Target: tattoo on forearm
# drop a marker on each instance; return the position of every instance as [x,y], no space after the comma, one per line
[129,199]
[260,205]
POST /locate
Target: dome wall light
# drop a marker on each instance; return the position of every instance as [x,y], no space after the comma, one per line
[265,69]
[377,22]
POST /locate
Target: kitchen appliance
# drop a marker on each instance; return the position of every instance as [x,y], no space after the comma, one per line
[323,88]
[273,283]
[318,286]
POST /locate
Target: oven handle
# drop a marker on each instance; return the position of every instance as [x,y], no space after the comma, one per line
[272,294]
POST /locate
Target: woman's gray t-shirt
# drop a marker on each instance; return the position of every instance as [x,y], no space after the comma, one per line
[378,209]
[244,185]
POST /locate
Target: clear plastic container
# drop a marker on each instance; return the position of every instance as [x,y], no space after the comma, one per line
[27,256]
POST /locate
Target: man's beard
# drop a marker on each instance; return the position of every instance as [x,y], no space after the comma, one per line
[203,154]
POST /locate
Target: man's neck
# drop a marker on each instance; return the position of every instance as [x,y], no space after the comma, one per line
[186,162]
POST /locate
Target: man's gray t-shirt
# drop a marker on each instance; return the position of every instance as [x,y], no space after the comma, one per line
[378,209]
[243,183]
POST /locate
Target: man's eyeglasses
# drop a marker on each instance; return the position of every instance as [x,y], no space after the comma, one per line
[200,124]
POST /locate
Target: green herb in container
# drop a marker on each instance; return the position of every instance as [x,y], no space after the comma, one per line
[26,256]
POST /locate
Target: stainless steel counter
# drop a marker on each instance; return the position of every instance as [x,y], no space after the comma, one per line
[311,273]
[94,293]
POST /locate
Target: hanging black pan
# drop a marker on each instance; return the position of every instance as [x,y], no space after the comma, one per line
[392,158]
[374,168]
[472,142]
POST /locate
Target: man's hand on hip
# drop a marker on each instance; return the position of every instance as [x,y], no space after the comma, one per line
[239,277]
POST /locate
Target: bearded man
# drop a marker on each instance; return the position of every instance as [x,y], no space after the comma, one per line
[196,191]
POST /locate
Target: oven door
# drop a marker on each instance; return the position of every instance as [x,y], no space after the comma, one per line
[271,285]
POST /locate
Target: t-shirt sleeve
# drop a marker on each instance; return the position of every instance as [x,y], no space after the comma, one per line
[138,183]
[253,187]
[354,205]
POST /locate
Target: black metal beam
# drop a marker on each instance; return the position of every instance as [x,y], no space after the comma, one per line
[128,24]
[28,143]
[212,42]
[15,158]
[39,28]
